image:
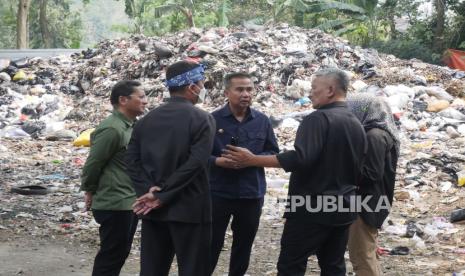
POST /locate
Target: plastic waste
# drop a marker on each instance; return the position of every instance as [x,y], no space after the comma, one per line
[303,101]
[20,75]
[417,242]
[14,132]
[299,89]
[359,85]
[83,139]
[398,230]
[4,63]
[461,129]
[412,230]
[438,92]
[457,215]
[409,124]
[461,178]
[437,226]
[4,76]
[290,123]
[452,113]
[452,132]
[398,102]
[400,250]
[437,105]
[56,176]
[391,90]
[63,134]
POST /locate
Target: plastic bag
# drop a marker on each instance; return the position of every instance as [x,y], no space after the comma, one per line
[84,138]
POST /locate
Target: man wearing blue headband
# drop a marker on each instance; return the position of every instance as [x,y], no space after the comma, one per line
[167,161]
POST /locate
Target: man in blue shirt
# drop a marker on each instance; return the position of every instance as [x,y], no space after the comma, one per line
[237,191]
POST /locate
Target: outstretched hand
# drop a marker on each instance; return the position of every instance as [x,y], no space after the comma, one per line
[227,163]
[242,157]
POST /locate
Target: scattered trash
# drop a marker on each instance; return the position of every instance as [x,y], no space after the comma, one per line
[457,215]
[460,250]
[20,75]
[299,89]
[461,178]
[413,230]
[437,92]
[65,209]
[5,77]
[51,100]
[56,176]
[438,226]
[399,230]
[30,190]
[399,250]
[437,105]
[303,101]
[380,251]
[84,139]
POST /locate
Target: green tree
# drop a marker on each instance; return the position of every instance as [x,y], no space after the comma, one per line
[46,23]
[8,24]
[457,26]
[438,42]
[222,14]
[185,7]
[360,20]
[54,25]
[22,24]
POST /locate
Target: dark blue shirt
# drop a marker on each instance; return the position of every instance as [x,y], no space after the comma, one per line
[254,133]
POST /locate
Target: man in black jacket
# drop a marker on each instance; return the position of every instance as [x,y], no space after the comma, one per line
[377,182]
[325,165]
[167,161]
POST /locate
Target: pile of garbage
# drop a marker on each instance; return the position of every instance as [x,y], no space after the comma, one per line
[48,92]
[45,103]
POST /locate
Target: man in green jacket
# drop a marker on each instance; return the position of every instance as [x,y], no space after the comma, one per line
[108,189]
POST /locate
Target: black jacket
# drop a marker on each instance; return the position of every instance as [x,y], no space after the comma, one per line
[379,175]
[170,148]
[329,149]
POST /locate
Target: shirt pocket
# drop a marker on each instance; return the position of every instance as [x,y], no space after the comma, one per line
[256,141]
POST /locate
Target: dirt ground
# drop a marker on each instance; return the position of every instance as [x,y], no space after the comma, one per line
[56,256]
[50,235]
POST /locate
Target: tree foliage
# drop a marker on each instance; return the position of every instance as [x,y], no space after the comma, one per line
[8,24]
[50,24]
[371,23]
[63,25]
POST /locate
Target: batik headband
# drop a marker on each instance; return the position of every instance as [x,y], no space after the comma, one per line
[192,76]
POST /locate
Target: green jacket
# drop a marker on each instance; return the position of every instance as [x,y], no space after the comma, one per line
[104,174]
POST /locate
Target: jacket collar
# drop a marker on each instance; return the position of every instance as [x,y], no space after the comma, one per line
[128,122]
[334,104]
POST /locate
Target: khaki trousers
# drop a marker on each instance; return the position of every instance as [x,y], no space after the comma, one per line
[362,249]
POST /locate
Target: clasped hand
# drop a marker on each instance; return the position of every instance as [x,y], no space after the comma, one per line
[147,202]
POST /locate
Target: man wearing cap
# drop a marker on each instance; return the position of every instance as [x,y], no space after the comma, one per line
[167,161]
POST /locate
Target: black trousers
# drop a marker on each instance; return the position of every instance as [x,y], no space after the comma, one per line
[301,239]
[161,240]
[116,231]
[245,220]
